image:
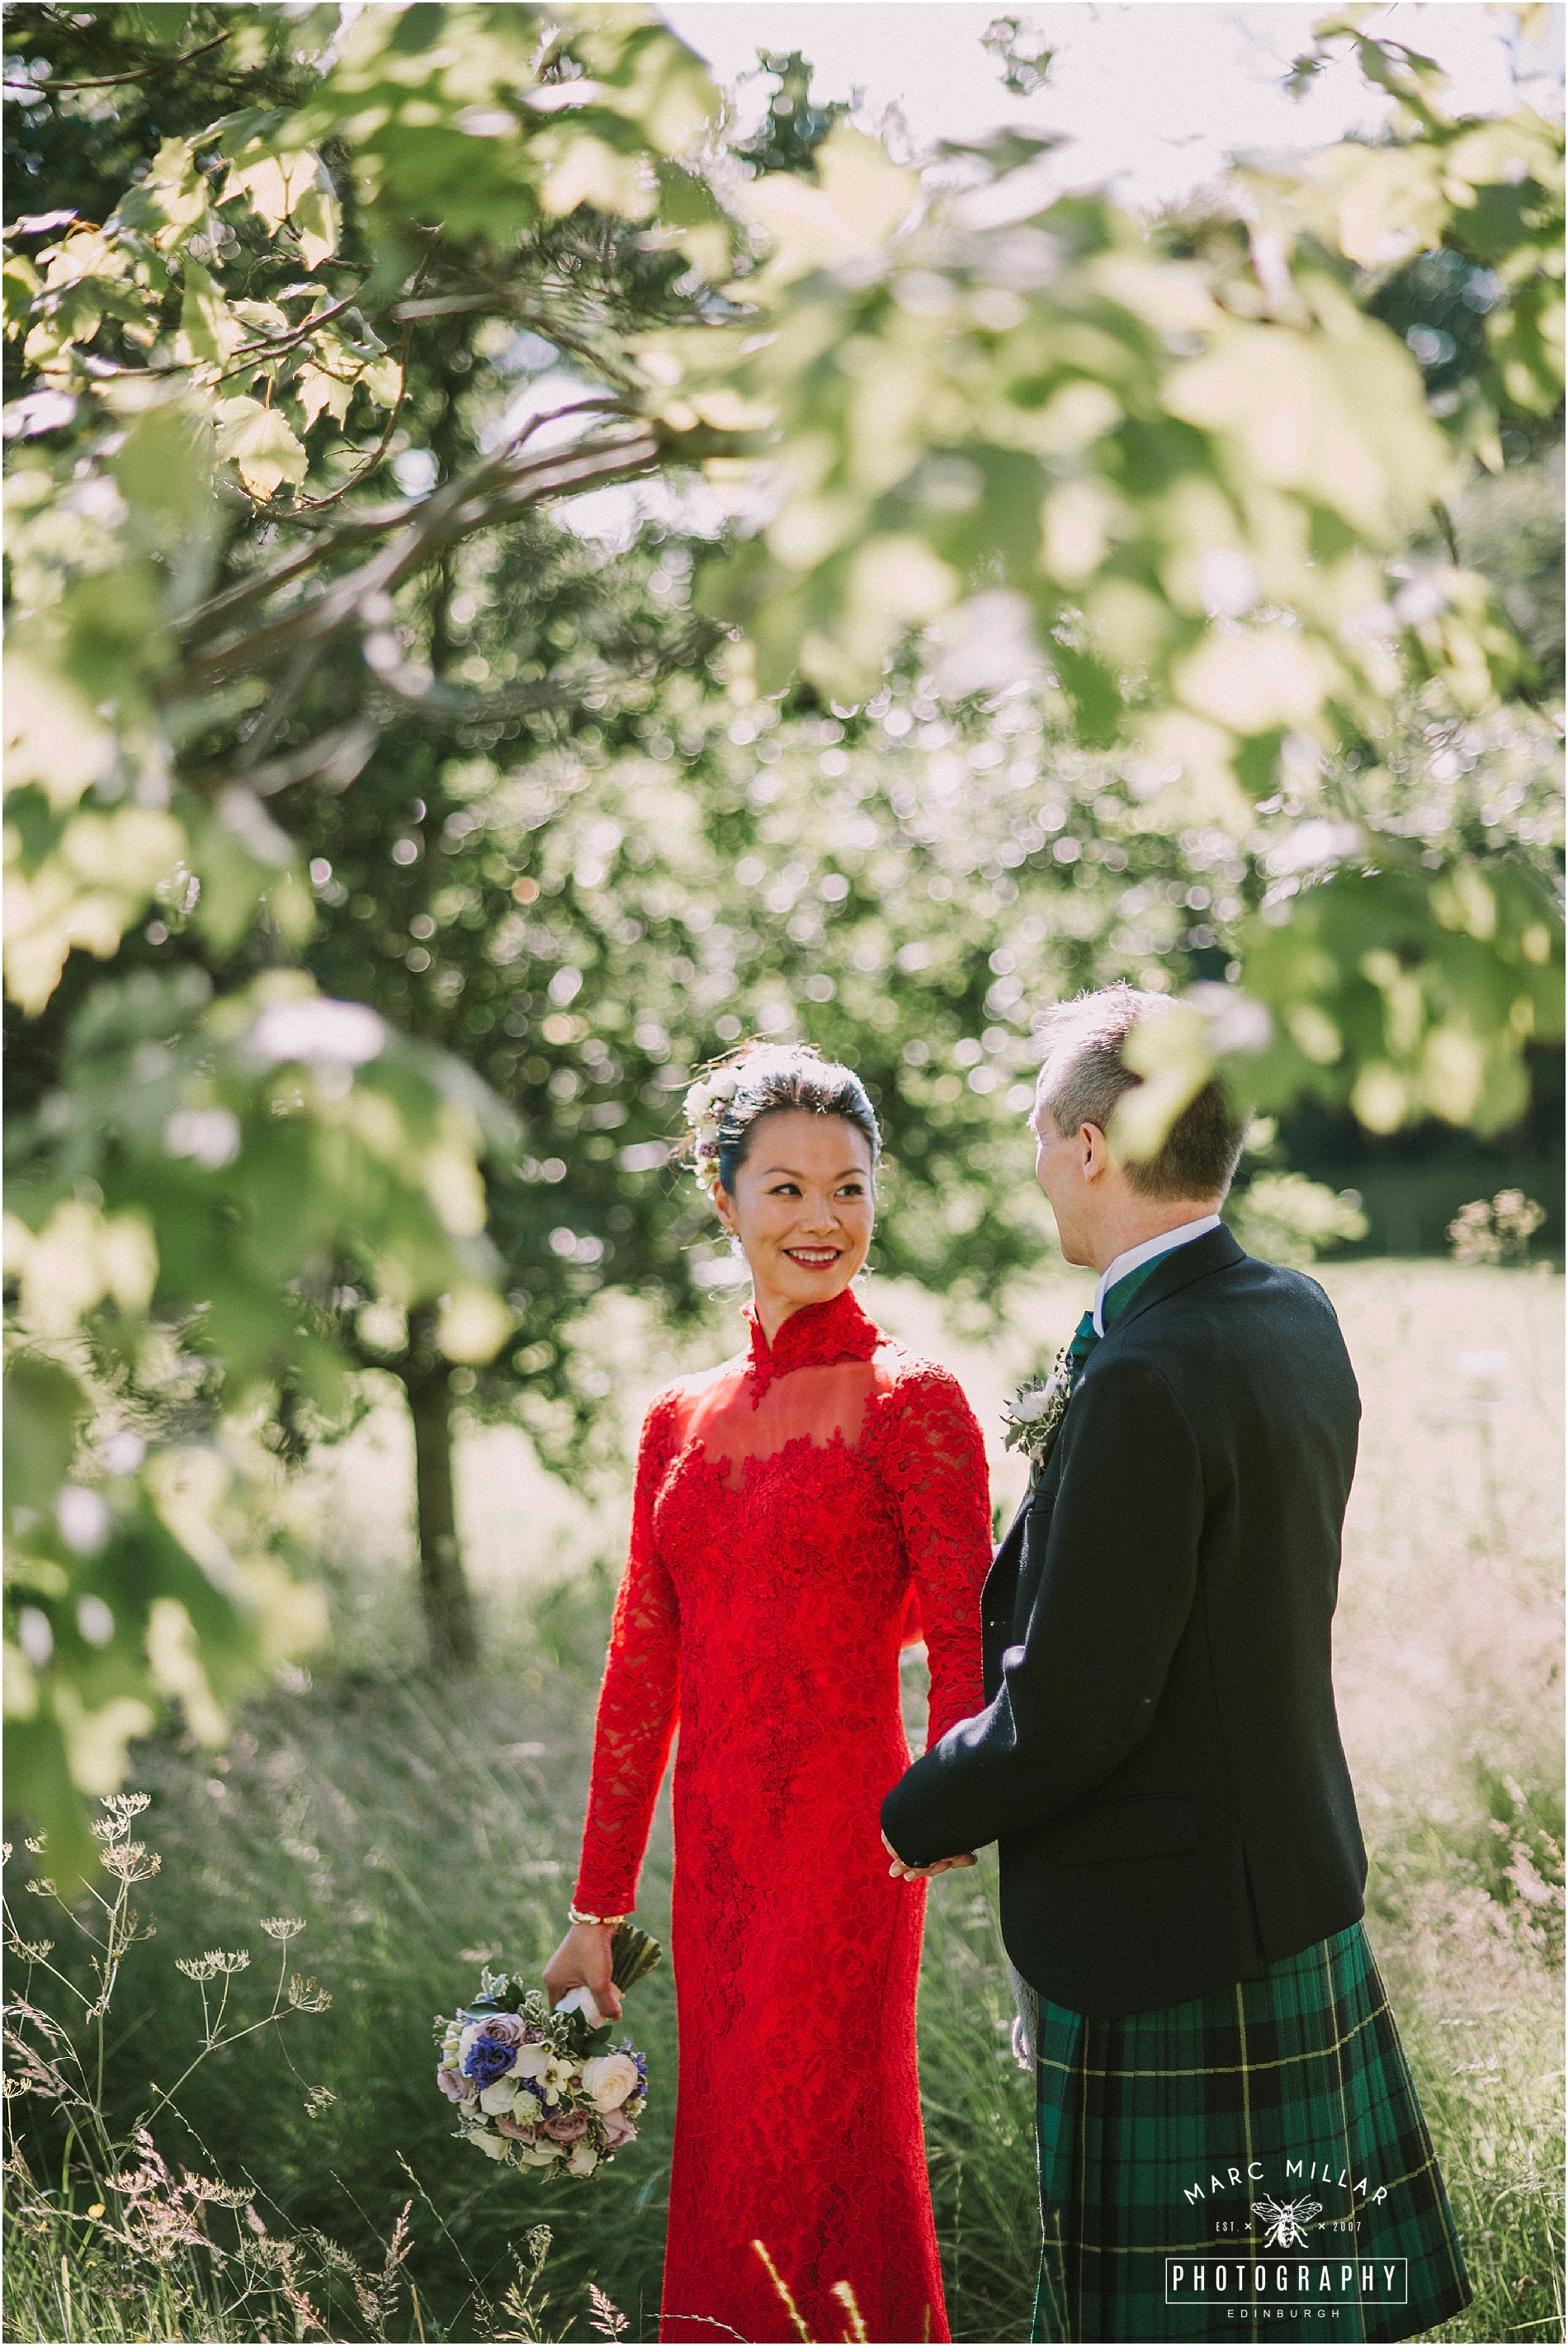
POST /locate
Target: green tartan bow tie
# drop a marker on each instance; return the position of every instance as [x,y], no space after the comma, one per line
[1070,1360]
[1085,1336]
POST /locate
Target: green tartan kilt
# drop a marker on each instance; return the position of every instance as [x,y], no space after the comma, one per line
[1251,2165]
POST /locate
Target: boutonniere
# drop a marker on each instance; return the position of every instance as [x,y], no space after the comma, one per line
[1037,1409]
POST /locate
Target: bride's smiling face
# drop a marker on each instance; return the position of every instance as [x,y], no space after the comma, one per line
[803,1208]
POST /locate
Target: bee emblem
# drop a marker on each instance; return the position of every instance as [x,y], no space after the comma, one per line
[1287,2221]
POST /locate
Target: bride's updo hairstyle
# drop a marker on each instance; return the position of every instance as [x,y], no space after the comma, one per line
[724,1108]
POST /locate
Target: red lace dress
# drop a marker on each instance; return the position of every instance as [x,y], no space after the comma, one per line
[792,1508]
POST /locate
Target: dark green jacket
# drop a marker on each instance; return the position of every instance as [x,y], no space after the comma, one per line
[1160,1760]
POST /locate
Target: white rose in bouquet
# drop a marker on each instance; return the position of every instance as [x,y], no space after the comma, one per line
[610,2077]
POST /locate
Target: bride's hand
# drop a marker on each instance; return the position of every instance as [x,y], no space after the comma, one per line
[583,1959]
[902,1872]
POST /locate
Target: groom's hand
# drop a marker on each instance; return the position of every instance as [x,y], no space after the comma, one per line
[902,1872]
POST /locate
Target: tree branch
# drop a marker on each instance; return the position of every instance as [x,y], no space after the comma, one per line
[112,81]
[1444,520]
[270,346]
[483,497]
[319,505]
[332,758]
[208,618]
[270,724]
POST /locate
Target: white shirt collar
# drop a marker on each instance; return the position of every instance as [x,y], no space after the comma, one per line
[1135,1257]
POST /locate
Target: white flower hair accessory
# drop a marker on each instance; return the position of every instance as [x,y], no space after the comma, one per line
[705,1105]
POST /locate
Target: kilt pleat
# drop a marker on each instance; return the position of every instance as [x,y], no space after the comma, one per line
[1253,2164]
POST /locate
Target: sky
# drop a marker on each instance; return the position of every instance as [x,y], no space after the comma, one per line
[1155,94]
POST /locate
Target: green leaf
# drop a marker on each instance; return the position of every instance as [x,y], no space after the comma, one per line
[165,466]
[604,168]
[319,393]
[382,380]
[39,1787]
[860,198]
[22,285]
[260,443]
[1405,995]
[649,75]
[44,1407]
[208,329]
[692,220]
[292,186]
[170,202]
[233,876]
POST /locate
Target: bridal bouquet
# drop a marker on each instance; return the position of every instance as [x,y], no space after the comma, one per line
[533,2087]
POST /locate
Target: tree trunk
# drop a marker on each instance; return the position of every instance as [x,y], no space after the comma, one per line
[448,1608]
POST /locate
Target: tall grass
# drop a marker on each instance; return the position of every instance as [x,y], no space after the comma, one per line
[419,1829]
[416,1836]
[124,2244]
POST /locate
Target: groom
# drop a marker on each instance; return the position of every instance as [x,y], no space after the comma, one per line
[1181,1865]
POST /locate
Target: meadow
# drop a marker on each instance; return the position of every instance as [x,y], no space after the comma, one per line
[419,1828]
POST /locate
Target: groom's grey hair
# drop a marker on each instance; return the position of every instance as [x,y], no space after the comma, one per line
[1083,1074]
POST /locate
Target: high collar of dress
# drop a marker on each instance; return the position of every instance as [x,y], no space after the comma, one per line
[811,1338]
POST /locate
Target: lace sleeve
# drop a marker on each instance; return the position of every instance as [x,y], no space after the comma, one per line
[638,1699]
[932,1458]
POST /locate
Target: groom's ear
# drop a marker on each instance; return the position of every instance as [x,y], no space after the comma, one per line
[1095,1157]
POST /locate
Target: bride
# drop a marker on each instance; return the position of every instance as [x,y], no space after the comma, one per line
[800,1511]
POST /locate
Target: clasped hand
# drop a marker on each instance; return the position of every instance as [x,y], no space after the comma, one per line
[585,1958]
[902,1872]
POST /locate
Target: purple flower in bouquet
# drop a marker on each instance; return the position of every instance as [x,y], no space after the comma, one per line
[507,2029]
[567,2126]
[509,2126]
[618,2128]
[455,2087]
[490,2055]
